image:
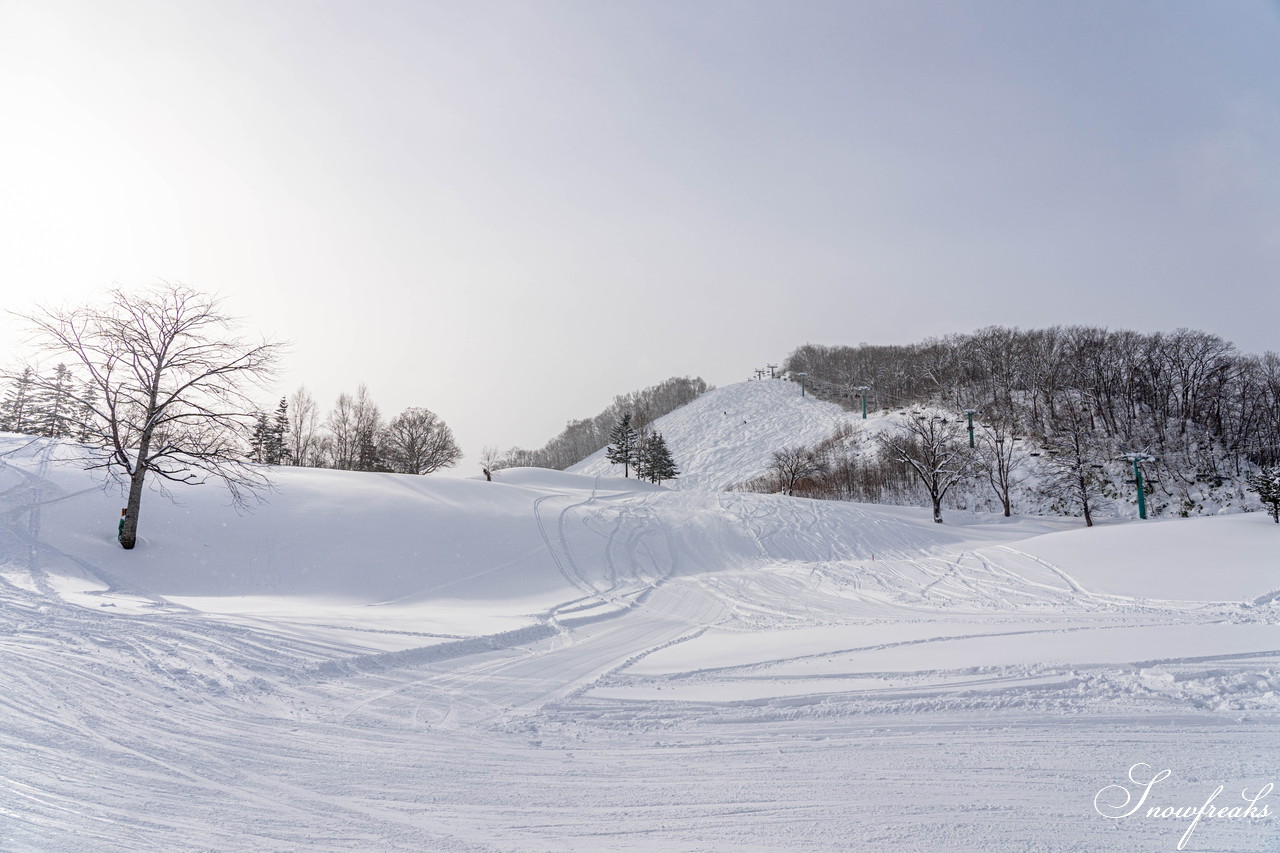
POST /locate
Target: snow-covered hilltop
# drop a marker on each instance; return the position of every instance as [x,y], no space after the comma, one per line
[728,435]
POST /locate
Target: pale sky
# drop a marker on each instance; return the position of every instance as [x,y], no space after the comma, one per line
[509,212]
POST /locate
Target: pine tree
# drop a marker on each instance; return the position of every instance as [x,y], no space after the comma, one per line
[654,462]
[54,406]
[278,452]
[640,459]
[623,443]
[260,438]
[83,414]
[1267,484]
[15,411]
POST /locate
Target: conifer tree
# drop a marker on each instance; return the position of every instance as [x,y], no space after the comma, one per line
[278,446]
[84,417]
[260,438]
[623,443]
[15,411]
[54,405]
[1267,484]
[654,462]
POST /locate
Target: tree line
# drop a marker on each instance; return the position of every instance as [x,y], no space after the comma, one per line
[353,436]
[1184,391]
[1074,403]
[581,438]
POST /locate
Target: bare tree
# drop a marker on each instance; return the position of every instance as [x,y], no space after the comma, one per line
[342,439]
[369,427]
[1074,463]
[790,465]
[490,461]
[165,380]
[1001,461]
[934,447]
[304,422]
[418,442]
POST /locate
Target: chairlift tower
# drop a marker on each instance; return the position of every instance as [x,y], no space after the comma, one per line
[1137,459]
[801,377]
[862,392]
[970,413]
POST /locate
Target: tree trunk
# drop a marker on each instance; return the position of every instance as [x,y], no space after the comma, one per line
[937,510]
[129,534]
[1084,501]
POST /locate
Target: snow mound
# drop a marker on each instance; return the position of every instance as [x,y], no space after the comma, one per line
[1223,558]
[728,435]
[346,538]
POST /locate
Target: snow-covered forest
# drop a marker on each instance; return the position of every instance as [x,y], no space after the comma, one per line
[1187,396]
[1058,415]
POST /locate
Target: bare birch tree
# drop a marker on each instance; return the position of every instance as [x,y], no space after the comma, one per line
[164,379]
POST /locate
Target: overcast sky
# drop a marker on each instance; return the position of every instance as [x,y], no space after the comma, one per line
[509,212]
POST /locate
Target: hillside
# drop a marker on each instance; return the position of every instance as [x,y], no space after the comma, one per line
[728,435]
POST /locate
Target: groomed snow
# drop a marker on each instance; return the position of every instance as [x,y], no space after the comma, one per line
[572,662]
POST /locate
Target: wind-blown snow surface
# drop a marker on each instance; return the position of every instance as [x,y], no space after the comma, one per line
[559,662]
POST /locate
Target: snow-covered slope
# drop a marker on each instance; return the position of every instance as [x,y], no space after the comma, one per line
[729,434]
[568,662]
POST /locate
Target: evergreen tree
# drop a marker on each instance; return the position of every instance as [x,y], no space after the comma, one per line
[623,443]
[260,438]
[654,462]
[1267,484]
[54,406]
[15,411]
[83,417]
[278,452]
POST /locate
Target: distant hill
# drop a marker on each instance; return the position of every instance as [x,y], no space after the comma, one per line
[583,437]
[728,435]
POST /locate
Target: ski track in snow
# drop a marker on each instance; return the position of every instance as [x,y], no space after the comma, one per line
[706,671]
